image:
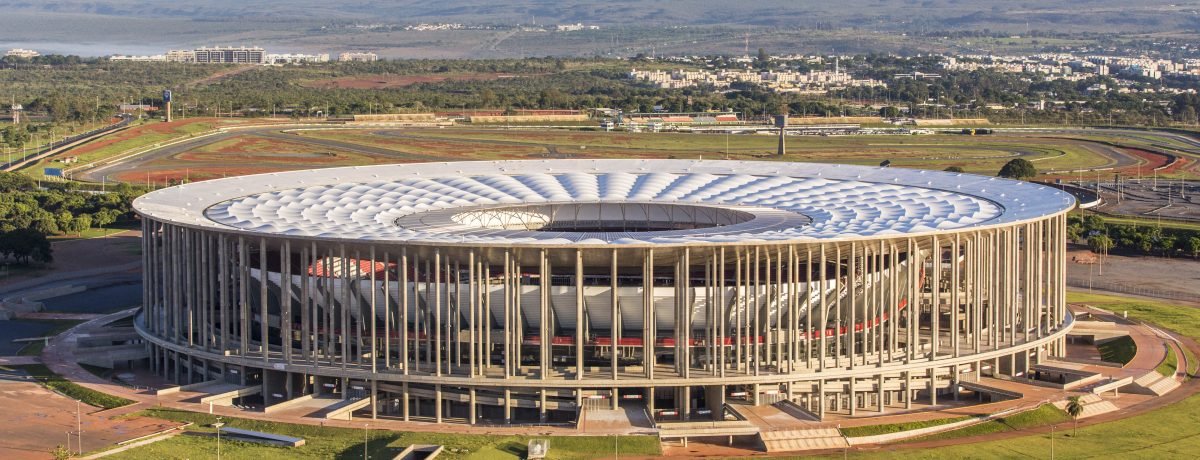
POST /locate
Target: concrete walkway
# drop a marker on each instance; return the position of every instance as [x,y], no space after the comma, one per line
[19,360]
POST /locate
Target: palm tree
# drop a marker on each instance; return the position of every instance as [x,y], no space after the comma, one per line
[1075,409]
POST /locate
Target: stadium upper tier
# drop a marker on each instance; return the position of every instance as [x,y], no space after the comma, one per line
[602,202]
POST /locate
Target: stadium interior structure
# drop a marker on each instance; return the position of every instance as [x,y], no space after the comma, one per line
[523,291]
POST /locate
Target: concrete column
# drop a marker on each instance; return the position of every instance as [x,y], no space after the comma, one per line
[650,401]
[908,389]
[542,404]
[821,397]
[473,402]
[437,403]
[615,329]
[933,386]
[580,334]
[404,405]
[374,398]
[880,395]
[685,406]
[507,406]
[853,397]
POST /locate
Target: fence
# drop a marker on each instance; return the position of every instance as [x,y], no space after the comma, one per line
[1124,288]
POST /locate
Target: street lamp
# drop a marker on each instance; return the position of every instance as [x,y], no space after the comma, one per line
[365,426]
[79,425]
[218,426]
[1051,442]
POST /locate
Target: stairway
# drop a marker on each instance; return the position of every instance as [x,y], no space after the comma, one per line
[802,439]
[1092,405]
[1164,386]
[1154,383]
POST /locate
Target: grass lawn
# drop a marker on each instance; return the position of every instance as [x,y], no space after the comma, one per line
[1120,350]
[120,142]
[93,232]
[1169,366]
[1044,415]
[1169,432]
[872,430]
[48,378]
[1165,223]
[328,442]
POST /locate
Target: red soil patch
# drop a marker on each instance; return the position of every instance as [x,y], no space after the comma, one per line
[165,176]
[1154,160]
[156,128]
[260,149]
[400,81]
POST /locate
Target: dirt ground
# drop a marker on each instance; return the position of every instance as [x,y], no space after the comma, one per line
[1177,278]
[36,420]
[120,248]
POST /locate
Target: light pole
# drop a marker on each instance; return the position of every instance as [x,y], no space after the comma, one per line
[218,426]
[1051,442]
[365,426]
[79,425]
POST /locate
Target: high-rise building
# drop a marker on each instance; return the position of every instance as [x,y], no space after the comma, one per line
[230,55]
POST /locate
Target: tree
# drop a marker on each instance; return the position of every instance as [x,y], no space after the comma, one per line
[105,217]
[79,224]
[954,169]
[1194,246]
[61,453]
[12,182]
[25,245]
[1166,244]
[1075,409]
[1100,244]
[1188,115]
[1018,168]
[64,218]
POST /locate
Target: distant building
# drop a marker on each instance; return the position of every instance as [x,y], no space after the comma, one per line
[916,76]
[230,55]
[181,56]
[22,53]
[358,57]
[154,58]
[574,27]
[130,108]
[296,58]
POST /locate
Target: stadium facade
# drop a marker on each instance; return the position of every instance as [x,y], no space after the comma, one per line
[520,291]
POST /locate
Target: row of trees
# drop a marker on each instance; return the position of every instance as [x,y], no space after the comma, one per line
[83,90]
[1102,237]
[30,213]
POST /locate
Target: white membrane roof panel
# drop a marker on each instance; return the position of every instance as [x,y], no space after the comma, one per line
[789,201]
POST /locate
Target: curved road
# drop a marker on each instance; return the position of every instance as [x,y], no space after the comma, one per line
[1116,157]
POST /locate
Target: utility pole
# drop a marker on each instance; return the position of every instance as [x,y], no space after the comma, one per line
[79,425]
[218,426]
[365,426]
[1051,442]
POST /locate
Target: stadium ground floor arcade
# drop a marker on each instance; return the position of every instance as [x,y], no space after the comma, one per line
[869,391]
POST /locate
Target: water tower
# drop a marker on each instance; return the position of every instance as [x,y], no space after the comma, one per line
[781,123]
[166,96]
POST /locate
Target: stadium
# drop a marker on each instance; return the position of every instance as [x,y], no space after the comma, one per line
[525,291]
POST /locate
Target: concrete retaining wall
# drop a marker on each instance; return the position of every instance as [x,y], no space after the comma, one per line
[31,302]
